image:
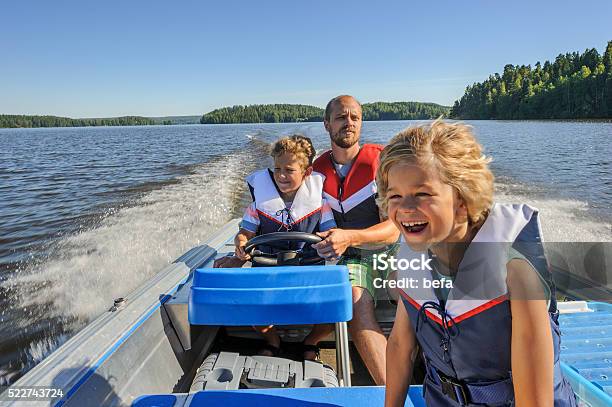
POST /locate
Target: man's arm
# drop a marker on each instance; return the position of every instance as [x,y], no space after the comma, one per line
[383,232]
[338,240]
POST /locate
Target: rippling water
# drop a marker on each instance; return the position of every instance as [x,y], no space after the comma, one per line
[88,214]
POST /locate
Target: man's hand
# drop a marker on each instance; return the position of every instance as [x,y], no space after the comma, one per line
[240,241]
[335,243]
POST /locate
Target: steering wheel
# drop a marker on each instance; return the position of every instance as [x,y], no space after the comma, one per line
[282,257]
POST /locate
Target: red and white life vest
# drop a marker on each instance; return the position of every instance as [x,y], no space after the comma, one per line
[353,200]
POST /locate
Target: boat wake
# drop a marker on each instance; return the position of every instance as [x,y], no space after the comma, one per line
[563,220]
[46,302]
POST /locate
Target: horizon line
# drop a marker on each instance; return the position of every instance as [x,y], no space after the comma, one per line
[202,114]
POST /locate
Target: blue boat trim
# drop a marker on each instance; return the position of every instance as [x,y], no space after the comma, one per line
[586,353]
[582,386]
[289,397]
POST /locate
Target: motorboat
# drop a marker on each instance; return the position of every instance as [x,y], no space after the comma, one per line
[185,338]
[154,341]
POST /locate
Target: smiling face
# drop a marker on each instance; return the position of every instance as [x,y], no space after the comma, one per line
[425,209]
[344,124]
[289,173]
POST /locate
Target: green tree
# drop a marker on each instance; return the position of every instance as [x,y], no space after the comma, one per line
[55,121]
[574,85]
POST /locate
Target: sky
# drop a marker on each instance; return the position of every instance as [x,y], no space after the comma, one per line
[162,58]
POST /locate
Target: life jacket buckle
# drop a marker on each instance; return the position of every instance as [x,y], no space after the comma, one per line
[454,389]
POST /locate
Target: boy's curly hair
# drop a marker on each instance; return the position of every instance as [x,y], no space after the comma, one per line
[298,145]
[454,152]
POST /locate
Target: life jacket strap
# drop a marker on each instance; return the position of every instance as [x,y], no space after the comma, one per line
[463,393]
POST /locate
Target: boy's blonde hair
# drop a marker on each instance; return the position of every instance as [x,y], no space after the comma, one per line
[454,152]
[298,145]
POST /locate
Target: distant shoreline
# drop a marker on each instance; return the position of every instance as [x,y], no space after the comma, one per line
[302,122]
[239,114]
[190,120]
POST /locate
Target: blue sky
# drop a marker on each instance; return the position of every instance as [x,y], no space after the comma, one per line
[150,58]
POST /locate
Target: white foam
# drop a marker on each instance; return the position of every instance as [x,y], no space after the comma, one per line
[132,245]
[563,220]
[39,350]
[7,375]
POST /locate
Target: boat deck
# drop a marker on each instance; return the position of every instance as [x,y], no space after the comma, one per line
[586,350]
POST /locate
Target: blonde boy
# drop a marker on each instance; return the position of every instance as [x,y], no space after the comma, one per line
[496,348]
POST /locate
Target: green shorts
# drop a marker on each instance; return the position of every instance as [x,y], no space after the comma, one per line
[360,264]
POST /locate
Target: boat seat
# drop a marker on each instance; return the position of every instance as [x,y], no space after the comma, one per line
[384,311]
[176,308]
[283,295]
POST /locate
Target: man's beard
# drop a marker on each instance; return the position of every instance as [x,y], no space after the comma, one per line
[345,141]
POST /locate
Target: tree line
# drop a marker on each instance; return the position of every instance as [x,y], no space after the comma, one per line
[403,111]
[271,113]
[573,86]
[282,113]
[276,113]
[13,121]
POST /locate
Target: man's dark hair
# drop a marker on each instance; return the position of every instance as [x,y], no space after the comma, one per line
[331,103]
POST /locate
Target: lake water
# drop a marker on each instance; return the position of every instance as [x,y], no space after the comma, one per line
[88,214]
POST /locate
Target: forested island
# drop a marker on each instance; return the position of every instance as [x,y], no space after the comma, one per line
[403,111]
[14,121]
[283,113]
[277,113]
[574,86]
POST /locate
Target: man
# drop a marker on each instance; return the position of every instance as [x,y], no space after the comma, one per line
[350,188]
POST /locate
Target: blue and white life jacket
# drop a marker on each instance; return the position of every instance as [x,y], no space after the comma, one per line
[466,339]
[304,215]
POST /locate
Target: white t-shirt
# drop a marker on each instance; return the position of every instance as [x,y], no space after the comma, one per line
[343,169]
